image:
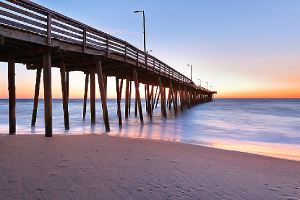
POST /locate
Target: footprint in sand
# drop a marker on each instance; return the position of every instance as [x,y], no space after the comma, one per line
[38,189]
[273,189]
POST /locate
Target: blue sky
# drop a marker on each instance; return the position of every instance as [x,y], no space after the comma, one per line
[237,46]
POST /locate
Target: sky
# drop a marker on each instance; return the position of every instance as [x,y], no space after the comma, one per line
[243,49]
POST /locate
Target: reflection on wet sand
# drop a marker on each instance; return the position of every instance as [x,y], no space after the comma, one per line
[285,151]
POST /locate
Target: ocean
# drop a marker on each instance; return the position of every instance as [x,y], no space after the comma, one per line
[268,127]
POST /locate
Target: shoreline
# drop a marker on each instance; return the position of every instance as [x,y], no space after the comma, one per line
[85,166]
[161,140]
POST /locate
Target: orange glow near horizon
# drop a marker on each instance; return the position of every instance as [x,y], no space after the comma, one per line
[284,93]
[286,86]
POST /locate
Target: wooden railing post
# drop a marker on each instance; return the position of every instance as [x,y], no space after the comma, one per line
[125,52]
[146,59]
[137,58]
[107,45]
[49,28]
[84,39]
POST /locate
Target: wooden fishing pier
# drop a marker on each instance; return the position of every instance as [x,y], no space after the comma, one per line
[42,39]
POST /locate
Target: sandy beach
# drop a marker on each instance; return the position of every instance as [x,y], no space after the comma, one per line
[104,167]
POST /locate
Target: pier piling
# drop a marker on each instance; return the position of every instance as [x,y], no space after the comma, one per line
[86,87]
[92,96]
[47,93]
[137,96]
[36,96]
[64,86]
[118,90]
[127,98]
[12,96]
[103,95]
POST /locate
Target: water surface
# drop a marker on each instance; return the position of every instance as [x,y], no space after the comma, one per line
[262,126]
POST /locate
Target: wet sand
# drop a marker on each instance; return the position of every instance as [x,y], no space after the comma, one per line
[103,167]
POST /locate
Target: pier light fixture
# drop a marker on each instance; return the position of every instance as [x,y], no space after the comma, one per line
[144,26]
[207,85]
[200,81]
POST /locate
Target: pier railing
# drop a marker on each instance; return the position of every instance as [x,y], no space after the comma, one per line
[30,17]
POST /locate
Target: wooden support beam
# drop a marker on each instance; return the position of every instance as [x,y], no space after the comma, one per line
[86,87]
[146,97]
[187,98]
[64,93]
[135,106]
[105,85]
[127,98]
[163,100]
[36,96]
[103,95]
[157,99]
[2,40]
[155,96]
[12,96]
[68,84]
[149,102]
[181,98]
[169,99]
[47,93]
[176,97]
[118,90]
[172,99]
[137,92]
[92,97]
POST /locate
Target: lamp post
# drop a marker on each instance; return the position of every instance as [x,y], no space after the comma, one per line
[191,71]
[200,81]
[207,85]
[144,26]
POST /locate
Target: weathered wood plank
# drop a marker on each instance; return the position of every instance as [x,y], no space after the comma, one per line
[65,93]
[103,95]
[138,98]
[118,90]
[36,96]
[86,87]
[12,97]
[92,96]
[47,94]
[127,98]
[163,100]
